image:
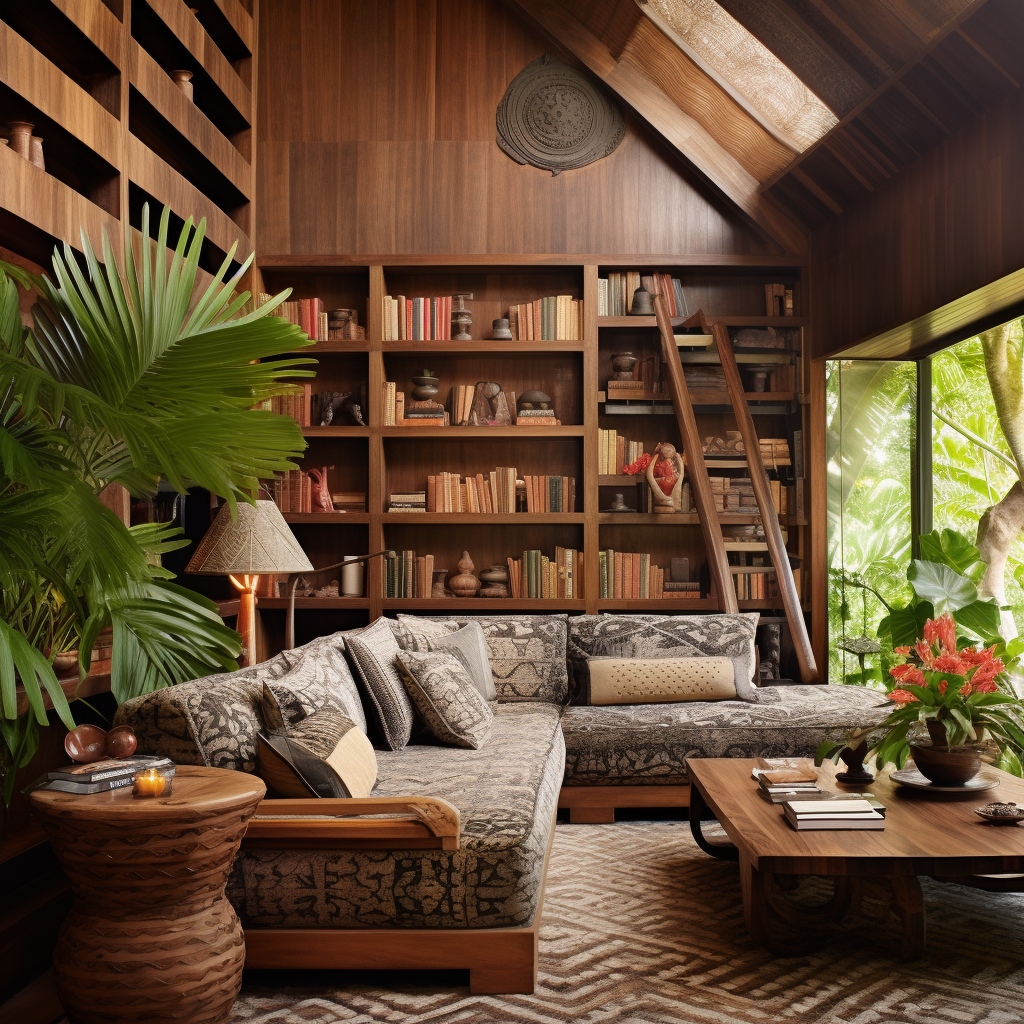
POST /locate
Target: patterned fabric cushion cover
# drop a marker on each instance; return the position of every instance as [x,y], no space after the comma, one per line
[213,721]
[445,695]
[506,794]
[527,652]
[470,644]
[667,636]
[373,651]
[649,743]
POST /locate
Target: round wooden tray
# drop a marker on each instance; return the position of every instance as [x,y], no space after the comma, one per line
[913,779]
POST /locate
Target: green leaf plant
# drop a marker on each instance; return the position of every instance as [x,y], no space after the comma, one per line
[129,374]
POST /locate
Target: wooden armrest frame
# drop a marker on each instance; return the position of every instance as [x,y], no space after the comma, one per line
[412,822]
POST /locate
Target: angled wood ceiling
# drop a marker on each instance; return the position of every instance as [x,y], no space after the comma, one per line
[900,75]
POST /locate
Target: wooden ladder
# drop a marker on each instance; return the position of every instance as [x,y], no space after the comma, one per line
[700,484]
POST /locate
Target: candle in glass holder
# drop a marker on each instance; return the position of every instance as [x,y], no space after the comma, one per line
[150,783]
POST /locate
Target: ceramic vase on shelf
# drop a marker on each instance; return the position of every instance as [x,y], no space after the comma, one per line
[183,80]
[465,584]
[20,135]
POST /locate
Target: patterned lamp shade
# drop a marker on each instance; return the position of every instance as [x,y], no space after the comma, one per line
[257,541]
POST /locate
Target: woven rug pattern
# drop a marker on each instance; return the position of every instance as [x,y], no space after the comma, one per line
[640,926]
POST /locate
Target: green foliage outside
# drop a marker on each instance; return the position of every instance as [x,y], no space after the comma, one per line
[870,433]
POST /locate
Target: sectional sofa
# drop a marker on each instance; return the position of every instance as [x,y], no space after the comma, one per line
[456,878]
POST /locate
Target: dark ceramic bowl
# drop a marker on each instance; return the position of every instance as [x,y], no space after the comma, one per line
[946,766]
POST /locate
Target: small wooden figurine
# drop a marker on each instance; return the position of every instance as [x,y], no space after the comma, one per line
[665,478]
[465,584]
[341,406]
[322,501]
[490,406]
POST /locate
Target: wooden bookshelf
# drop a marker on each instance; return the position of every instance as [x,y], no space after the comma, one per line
[93,78]
[393,459]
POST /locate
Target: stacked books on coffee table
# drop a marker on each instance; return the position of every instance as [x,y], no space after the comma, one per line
[835,813]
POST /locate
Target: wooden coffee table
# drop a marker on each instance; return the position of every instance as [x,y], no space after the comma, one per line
[924,835]
[151,938]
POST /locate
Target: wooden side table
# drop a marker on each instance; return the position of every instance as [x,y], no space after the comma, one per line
[151,937]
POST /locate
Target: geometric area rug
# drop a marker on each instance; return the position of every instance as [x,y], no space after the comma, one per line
[640,926]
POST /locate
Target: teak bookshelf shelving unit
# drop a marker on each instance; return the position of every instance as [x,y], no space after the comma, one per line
[381,459]
[93,76]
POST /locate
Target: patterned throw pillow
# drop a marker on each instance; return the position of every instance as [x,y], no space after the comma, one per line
[446,696]
[657,680]
[326,754]
[527,652]
[667,636]
[390,715]
[470,642]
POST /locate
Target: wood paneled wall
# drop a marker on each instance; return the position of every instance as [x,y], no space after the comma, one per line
[376,135]
[948,224]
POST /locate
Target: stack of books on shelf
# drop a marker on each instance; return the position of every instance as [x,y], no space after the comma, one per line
[678,583]
[413,414]
[298,406]
[349,501]
[615,292]
[646,381]
[411,501]
[293,491]
[548,494]
[614,452]
[407,574]
[630,575]
[533,417]
[418,319]
[313,318]
[755,583]
[451,492]
[779,785]
[736,494]
[534,575]
[554,318]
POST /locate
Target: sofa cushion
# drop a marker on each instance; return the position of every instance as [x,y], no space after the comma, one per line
[527,653]
[445,695]
[324,755]
[644,744]
[373,651]
[667,636]
[656,680]
[468,641]
[506,794]
[214,721]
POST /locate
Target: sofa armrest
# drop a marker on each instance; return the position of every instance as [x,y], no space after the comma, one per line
[414,822]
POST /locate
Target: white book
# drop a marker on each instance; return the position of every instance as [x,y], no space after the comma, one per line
[830,807]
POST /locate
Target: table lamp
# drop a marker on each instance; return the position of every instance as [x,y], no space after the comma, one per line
[255,542]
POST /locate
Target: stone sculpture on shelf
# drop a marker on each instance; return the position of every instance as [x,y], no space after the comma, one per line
[462,319]
[495,582]
[322,500]
[665,478]
[490,406]
[341,407]
[465,584]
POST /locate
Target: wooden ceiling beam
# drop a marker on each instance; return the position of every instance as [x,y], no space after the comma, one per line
[688,137]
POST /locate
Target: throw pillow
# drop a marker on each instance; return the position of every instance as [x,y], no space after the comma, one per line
[326,754]
[657,680]
[527,652]
[718,635]
[471,644]
[445,695]
[390,716]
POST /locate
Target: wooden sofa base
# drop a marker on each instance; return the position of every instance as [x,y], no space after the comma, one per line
[501,961]
[595,805]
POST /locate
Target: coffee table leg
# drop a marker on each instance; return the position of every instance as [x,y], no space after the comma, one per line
[755,903]
[908,905]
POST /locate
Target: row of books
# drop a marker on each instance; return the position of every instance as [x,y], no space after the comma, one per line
[299,407]
[417,319]
[407,574]
[755,584]
[736,494]
[293,491]
[554,318]
[615,292]
[534,575]
[614,451]
[450,492]
[631,575]
[316,321]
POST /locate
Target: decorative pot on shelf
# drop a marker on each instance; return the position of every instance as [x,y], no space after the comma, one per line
[622,365]
[20,135]
[465,584]
[425,386]
[946,766]
[183,80]
[438,589]
[495,582]
[35,152]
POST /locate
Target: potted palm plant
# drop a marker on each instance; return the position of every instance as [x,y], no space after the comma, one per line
[128,374]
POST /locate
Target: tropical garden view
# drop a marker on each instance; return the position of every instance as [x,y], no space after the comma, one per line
[918,452]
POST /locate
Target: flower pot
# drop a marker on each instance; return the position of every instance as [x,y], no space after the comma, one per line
[946,766]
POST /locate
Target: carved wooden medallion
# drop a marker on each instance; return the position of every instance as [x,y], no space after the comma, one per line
[551,116]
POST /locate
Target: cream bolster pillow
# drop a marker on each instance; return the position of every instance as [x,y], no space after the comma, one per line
[660,680]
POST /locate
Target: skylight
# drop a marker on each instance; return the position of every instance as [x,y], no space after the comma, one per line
[752,75]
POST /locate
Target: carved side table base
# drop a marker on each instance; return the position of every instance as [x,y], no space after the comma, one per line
[151,938]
